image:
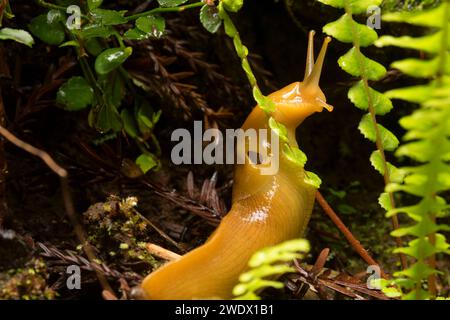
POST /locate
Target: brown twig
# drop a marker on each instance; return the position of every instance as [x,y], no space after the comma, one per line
[347,233]
[68,202]
[162,252]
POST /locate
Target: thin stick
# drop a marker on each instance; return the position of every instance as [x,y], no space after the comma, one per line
[162,252]
[68,202]
[347,233]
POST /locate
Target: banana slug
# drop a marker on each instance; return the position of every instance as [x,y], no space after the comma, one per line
[266,209]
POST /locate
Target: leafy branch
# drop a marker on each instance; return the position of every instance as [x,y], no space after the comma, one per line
[354,62]
[426,143]
[269,263]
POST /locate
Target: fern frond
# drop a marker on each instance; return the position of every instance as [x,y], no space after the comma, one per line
[427,142]
[355,63]
[269,263]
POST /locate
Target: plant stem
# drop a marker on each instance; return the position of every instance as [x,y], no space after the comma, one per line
[161,10]
[48,5]
[378,140]
[347,233]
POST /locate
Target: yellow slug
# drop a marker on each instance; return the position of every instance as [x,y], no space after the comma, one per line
[266,209]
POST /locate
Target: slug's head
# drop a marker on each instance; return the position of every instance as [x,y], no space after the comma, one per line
[299,100]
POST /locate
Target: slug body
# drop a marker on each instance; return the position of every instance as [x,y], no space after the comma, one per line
[266,209]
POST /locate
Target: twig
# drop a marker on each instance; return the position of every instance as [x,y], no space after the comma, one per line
[158,230]
[162,9]
[347,233]
[68,202]
[162,252]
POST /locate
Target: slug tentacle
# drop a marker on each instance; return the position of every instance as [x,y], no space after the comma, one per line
[266,209]
[309,55]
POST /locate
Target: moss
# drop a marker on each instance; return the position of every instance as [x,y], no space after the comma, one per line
[28,283]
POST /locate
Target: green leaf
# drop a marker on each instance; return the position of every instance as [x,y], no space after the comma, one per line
[114,88]
[108,119]
[422,68]
[93,46]
[146,117]
[388,140]
[136,34]
[96,31]
[415,94]
[49,32]
[18,35]
[210,19]
[112,58]
[427,18]
[233,5]
[430,43]
[385,201]
[108,17]
[170,3]
[344,28]
[359,97]
[265,103]
[356,64]
[152,25]
[295,155]
[312,179]
[146,162]
[356,6]
[278,128]
[76,94]
[71,43]
[94,4]
[129,124]
[395,174]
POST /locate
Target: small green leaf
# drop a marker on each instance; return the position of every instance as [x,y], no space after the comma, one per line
[210,19]
[356,6]
[146,162]
[49,32]
[94,4]
[170,3]
[384,201]
[153,25]
[241,50]
[108,119]
[395,174]
[278,128]
[108,17]
[265,103]
[114,88]
[129,124]
[71,43]
[356,64]
[415,94]
[388,140]
[248,71]
[112,58]
[344,28]
[312,179]
[295,155]
[421,68]
[427,18]
[430,43]
[233,5]
[359,97]
[93,46]
[18,35]
[75,94]
[136,34]
[96,31]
